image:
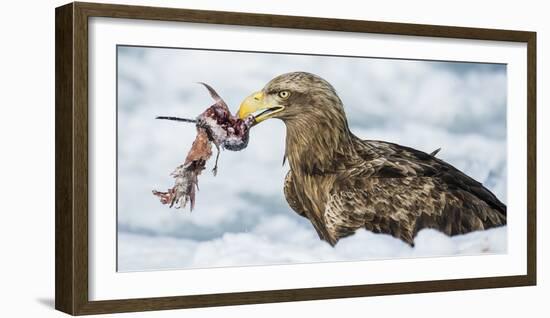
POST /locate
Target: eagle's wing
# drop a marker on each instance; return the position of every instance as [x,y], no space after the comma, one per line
[387,160]
[399,190]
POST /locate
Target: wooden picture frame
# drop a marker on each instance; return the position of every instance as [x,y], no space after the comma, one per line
[71,220]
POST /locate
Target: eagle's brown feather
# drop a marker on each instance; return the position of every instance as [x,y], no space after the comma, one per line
[342,183]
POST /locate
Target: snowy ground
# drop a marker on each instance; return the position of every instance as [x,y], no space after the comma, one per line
[241,216]
[259,247]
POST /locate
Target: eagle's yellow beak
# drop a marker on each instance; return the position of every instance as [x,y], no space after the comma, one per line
[258,102]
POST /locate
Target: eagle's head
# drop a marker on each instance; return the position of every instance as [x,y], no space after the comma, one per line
[313,113]
[295,98]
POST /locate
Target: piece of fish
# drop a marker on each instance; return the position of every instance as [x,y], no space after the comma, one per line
[216,125]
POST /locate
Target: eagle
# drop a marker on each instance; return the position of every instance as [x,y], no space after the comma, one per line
[342,183]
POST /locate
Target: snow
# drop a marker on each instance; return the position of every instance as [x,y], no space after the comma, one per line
[266,248]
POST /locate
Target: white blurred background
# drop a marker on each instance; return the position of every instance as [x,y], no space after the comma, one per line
[241,216]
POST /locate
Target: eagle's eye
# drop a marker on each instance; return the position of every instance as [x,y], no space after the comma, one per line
[284,94]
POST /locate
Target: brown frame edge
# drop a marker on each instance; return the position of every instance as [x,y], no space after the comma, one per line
[71,157]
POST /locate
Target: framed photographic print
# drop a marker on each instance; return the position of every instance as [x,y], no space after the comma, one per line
[335,158]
